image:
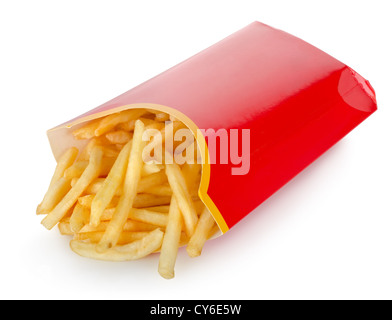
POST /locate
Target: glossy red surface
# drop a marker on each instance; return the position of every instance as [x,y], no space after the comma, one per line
[296,100]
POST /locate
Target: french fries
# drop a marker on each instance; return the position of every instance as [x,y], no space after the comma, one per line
[184,199]
[131,180]
[171,241]
[64,163]
[79,217]
[200,236]
[54,195]
[110,186]
[131,251]
[119,208]
[72,196]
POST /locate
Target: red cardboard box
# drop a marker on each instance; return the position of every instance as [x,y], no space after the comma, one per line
[288,102]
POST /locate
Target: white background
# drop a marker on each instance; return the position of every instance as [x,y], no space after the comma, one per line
[325,235]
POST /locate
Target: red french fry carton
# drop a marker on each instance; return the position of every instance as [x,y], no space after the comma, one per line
[263,105]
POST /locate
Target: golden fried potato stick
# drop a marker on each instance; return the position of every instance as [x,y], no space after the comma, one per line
[192,174]
[201,235]
[131,181]
[86,151]
[65,161]
[125,237]
[162,190]
[162,117]
[110,185]
[171,241]
[150,168]
[54,195]
[130,225]
[147,182]
[91,172]
[144,200]
[152,180]
[130,125]
[110,151]
[155,126]
[162,209]
[159,219]
[87,131]
[132,251]
[184,199]
[110,122]
[86,200]
[74,180]
[119,137]
[96,186]
[76,170]
[108,214]
[156,218]
[79,218]
[65,228]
